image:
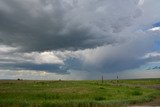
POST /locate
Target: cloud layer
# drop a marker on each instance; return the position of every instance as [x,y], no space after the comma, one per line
[85,36]
[64,24]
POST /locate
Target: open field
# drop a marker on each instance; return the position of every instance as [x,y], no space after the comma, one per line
[110,93]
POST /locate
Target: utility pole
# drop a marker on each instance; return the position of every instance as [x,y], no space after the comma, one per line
[117,79]
[102,78]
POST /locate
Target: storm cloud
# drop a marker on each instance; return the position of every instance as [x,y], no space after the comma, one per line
[81,36]
[64,24]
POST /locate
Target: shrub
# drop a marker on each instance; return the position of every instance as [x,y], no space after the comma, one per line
[137,92]
[100,98]
[101,88]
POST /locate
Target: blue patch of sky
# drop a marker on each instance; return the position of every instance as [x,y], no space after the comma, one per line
[156,24]
[157,42]
[147,27]
[148,66]
[157,45]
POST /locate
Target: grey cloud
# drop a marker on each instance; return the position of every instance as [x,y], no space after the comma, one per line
[60,24]
[54,68]
[94,36]
[45,61]
[120,57]
[109,58]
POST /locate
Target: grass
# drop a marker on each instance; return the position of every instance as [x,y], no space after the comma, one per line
[75,93]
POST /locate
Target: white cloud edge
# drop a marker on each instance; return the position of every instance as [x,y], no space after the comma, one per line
[155,29]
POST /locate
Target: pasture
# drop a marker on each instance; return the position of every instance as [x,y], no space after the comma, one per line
[93,93]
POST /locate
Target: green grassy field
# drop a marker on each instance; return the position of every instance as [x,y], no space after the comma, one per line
[77,93]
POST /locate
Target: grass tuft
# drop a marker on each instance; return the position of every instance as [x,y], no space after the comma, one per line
[100,98]
[136,93]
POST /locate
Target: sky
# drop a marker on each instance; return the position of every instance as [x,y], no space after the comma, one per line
[79,39]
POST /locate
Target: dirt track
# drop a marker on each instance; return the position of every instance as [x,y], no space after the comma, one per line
[154,103]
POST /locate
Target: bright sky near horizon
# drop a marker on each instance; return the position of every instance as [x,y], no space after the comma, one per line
[79,39]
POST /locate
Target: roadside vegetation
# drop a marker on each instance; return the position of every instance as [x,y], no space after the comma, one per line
[114,93]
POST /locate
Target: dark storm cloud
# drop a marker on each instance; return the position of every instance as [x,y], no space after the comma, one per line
[120,65]
[77,35]
[59,69]
[41,25]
